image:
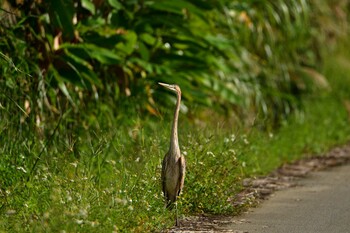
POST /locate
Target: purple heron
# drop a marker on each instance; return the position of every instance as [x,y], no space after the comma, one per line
[174,164]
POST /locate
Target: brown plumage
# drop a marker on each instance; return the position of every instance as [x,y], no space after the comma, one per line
[174,164]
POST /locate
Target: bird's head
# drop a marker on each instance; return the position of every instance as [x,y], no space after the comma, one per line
[172,87]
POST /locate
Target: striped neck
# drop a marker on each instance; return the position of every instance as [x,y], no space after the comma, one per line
[174,141]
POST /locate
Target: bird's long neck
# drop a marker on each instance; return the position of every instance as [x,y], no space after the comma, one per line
[174,142]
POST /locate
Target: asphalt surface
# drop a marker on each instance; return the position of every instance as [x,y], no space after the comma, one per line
[320,203]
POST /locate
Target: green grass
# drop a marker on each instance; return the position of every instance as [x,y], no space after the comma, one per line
[109,179]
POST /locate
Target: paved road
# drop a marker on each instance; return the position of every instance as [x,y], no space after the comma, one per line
[320,205]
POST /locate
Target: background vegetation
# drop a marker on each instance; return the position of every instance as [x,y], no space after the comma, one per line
[84,125]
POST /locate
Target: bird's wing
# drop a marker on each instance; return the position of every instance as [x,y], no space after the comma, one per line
[164,166]
[182,171]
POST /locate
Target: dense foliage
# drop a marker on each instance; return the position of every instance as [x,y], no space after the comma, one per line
[107,55]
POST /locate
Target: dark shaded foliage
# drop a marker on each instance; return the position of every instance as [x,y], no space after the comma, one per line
[100,56]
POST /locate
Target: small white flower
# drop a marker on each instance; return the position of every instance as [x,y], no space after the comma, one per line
[111,161]
[46,215]
[22,169]
[44,177]
[232,13]
[232,151]
[79,221]
[121,201]
[211,153]
[167,45]
[10,212]
[69,197]
[83,213]
[75,164]
[94,223]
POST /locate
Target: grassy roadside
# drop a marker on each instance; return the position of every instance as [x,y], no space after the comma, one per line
[109,180]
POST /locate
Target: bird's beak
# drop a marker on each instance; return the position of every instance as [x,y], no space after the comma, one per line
[165,85]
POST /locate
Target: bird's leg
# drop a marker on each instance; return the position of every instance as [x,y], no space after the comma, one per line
[177,221]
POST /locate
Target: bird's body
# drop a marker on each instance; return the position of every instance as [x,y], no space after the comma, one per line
[173,174]
[174,164]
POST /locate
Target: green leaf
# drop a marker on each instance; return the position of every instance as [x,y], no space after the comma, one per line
[78,59]
[144,52]
[144,64]
[83,69]
[88,5]
[128,46]
[178,7]
[61,83]
[103,55]
[148,38]
[115,4]
[65,91]
[61,15]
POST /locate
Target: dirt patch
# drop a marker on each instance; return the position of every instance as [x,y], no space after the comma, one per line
[256,190]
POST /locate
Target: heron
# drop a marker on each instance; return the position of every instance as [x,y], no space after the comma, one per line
[174,164]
